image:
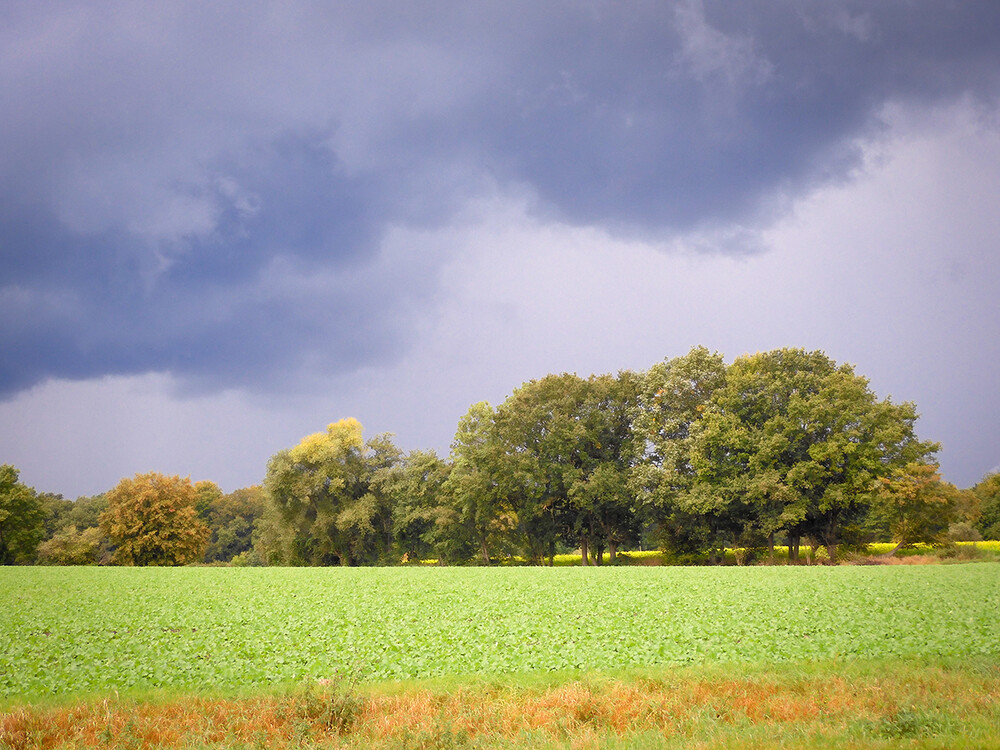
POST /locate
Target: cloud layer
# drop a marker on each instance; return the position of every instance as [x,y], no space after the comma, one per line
[207,191]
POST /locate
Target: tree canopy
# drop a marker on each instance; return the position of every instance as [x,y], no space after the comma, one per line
[323,492]
[794,442]
[152,520]
[987,492]
[22,518]
[693,455]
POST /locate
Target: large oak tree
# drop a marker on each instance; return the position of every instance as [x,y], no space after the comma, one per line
[794,442]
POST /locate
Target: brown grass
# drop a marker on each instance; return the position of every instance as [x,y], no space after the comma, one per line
[581,713]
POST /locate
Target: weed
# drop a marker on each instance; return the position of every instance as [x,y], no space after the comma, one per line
[911,723]
[334,703]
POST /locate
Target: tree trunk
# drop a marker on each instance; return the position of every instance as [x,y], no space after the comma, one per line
[895,549]
[599,556]
[770,547]
[485,552]
[831,540]
[612,552]
[552,553]
[793,548]
[584,552]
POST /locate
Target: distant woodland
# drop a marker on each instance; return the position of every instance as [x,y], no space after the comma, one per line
[691,457]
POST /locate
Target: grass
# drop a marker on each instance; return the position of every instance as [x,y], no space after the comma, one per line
[862,704]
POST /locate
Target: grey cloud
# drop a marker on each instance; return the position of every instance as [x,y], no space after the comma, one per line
[163,168]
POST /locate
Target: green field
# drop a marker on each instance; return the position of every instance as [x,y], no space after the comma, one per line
[94,630]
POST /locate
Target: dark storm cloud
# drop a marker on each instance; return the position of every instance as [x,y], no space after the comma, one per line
[205,189]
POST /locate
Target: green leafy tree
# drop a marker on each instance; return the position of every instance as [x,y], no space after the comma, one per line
[793,442]
[275,542]
[152,520]
[207,493]
[600,499]
[481,516]
[86,512]
[541,441]
[564,448]
[369,522]
[988,493]
[322,490]
[672,399]
[71,546]
[72,532]
[57,510]
[22,518]
[231,520]
[414,487]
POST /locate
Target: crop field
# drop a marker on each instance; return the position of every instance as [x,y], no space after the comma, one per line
[94,630]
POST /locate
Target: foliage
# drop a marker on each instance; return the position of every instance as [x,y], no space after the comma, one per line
[151,520]
[231,521]
[693,455]
[206,493]
[671,402]
[916,505]
[330,509]
[988,493]
[85,512]
[563,441]
[71,546]
[57,510]
[72,532]
[419,515]
[793,442]
[22,518]
[480,520]
[548,467]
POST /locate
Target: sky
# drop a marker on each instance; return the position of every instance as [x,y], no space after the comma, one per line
[225,225]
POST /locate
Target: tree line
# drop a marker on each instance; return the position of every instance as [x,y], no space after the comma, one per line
[693,456]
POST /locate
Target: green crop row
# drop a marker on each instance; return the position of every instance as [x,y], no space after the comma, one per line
[93,630]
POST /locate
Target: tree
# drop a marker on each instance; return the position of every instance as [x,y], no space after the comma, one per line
[22,518]
[988,493]
[57,512]
[916,505]
[414,487]
[481,515]
[563,463]
[672,399]
[72,531]
[322,491]
[793,442]
[600,499]
[207,493]
[152,520]
[70,546]
[541,445]
[86,512]
[231,520]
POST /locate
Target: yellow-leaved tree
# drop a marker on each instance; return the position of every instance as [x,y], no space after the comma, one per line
[152,520]
[329,511]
